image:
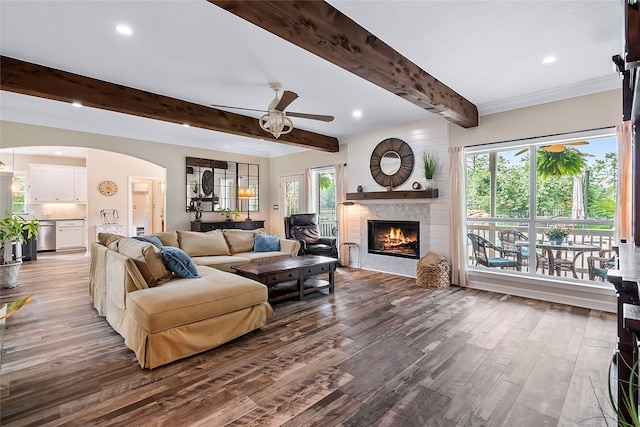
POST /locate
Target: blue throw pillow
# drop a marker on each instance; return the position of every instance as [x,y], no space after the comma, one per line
[266,243]
[150,239]
[179,262]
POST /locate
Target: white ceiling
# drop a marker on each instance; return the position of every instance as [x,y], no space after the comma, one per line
[488,51]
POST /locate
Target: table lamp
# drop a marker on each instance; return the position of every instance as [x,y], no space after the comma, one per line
[246,193]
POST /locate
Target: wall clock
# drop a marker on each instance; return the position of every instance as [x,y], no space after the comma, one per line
[108,188]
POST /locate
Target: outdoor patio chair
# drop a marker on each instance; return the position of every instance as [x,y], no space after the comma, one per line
[480,247]
[598,265]
[508,238]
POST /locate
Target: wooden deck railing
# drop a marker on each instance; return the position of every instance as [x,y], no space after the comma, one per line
[602,238]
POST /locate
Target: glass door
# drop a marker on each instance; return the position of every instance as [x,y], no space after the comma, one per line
[292,196]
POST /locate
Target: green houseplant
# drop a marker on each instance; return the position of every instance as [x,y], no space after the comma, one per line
[228,213]
[429,168]
[558,234]
[12,228]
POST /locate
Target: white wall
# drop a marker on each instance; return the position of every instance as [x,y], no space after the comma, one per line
[595,111]
[109,166]
[430,134]
[171,157]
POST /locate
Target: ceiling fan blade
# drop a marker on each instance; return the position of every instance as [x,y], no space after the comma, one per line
[238,108]
[524,150]
[311,116]
[577,143]
[555,148]
[287,98]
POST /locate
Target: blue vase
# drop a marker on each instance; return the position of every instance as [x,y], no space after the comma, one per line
[556,240]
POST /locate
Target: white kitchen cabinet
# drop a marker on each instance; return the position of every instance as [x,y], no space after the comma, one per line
[70,234]
[57,184]
[81,185]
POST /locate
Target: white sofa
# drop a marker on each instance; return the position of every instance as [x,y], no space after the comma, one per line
[162,317]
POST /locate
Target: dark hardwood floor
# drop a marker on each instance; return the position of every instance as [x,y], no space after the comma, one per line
[379,352]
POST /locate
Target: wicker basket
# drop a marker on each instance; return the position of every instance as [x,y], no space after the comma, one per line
[434,271]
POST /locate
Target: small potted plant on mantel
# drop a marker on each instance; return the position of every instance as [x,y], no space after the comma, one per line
[429,168]
[12,228]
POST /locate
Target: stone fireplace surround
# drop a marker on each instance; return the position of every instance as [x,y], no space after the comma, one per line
[390,212]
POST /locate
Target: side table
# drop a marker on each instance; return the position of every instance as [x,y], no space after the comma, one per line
[350,245]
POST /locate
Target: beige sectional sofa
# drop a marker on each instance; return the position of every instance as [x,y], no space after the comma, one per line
[163,317]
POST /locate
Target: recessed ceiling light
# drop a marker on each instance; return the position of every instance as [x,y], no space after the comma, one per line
[125,30]
[357,114]
[186,125]
[77,104]
[549,60]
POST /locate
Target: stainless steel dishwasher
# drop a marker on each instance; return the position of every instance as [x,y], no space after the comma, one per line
[47,236]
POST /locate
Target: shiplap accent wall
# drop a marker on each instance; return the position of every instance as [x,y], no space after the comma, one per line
[433,214]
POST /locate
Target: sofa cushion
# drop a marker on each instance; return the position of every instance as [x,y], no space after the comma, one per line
[221,262]
[148,259]
[168,238]
[150,239]
[264,256]
[109,240]
[183,301]
[195,243]
[179,262]
[240,240]
[266,243]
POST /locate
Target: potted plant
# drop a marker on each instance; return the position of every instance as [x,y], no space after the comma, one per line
[12,228]
[557,235]
[429,168]
[228,213]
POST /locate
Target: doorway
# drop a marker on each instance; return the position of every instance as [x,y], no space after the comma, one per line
[146,206]
[291,195]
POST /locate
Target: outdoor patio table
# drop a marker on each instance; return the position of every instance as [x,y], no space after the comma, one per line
[548,247]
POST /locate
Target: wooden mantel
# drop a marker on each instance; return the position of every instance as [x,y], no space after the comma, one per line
[381,195]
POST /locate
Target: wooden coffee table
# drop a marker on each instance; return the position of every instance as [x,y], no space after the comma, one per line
[291,277]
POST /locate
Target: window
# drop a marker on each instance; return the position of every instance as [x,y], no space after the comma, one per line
[324,199]
[569,183]
[18,205]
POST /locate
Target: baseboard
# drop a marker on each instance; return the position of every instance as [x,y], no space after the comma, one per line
[588,300]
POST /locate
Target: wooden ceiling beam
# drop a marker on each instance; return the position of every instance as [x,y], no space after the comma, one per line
[44,82]
[318,27]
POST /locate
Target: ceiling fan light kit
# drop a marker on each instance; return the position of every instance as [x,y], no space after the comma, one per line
[276,123]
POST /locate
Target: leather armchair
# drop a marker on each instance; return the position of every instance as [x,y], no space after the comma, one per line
[304,228]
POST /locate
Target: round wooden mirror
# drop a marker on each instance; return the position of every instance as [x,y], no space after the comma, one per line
[391,162]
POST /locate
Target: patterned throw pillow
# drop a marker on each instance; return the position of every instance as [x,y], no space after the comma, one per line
[266,243]
[179,262]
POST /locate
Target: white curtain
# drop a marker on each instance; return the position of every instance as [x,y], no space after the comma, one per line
[458,217]
[307,204]
[341,197]
[624,209]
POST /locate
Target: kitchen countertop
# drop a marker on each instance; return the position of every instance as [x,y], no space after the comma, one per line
[62,219]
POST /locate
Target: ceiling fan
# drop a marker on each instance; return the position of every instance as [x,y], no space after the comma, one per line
[554,148]
[276,121]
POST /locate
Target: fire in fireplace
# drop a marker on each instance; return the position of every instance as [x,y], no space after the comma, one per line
[394,238]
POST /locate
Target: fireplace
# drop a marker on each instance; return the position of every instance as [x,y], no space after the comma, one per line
[394,238]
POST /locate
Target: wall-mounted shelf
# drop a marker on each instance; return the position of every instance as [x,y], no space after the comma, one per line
[379,195]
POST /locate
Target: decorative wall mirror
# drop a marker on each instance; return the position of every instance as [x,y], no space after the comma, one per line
[214,184]
[391,162]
